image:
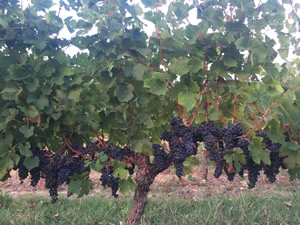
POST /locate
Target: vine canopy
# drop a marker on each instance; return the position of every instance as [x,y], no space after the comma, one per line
[229,65]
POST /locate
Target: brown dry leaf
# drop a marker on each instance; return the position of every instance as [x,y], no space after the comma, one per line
[289,204]
[56,214]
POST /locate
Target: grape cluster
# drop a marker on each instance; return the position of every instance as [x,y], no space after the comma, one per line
[230,134]
[276,161]
[117,153]
[181,143]
[217,155]
[160,157]
[56,169]
[108,180]
[209,132]
[230,176]
[217,141]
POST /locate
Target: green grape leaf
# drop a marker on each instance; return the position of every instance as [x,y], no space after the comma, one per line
[196,64]
[10,114]
[11,91]
[7,159]
[31,163]
[141,143]
[33,112]
[75,94]
[24,150]
[258,152]
[283,52]
[127,185]
[230,62]
[188,99]
[180,65]
[102,157]
[42,102]
[292,159]
[235,158]
[243,43]
[119,169]
[158,87]
[124,93]
[138,71]
[18,73]
[80,185]
[27,132]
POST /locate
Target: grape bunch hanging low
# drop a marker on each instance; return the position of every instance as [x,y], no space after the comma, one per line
[183,141]
[116,153]
[56,169]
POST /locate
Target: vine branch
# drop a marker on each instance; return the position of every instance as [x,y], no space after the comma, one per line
[198,103]
[261,119]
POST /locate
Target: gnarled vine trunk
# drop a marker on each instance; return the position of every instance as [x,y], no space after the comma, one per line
[145,176]
[144,179]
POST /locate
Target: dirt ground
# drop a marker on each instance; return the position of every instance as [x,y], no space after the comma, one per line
[167,185]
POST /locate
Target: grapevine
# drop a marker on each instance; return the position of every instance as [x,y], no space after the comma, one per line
[130,104]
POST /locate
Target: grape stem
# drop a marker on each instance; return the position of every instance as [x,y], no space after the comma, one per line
[207,102]
[216,101]
[186,115]
[200,36]
[145,64]
[294,12]
[198,103]
[163,106]
[69,146]
[226,16]
[62,147]
[254,114]
[262,118]
[96,136]
[179,109]
[235,98]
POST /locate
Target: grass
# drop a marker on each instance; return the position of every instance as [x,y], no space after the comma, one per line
[247,209]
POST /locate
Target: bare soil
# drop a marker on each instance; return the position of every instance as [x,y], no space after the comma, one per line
[167,185]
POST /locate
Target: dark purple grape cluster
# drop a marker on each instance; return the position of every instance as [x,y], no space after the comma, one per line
[22,170]
[35,175]
[217,155]
[181,142]
[209,132]
[230,134]
[56,169]
[160,157]
[276,160]
[116,153]
[219,168]
[230,176]
[108,180]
